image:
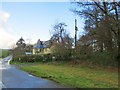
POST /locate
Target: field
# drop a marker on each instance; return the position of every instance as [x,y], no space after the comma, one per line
[4,53]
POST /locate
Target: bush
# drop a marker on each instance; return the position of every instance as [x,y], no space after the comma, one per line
[104,59]
[98,58]
[60,52]
[89,58]
[33,58]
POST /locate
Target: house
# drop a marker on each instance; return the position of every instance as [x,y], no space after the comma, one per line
[41,47]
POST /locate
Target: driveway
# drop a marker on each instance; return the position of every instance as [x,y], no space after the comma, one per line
[12,77]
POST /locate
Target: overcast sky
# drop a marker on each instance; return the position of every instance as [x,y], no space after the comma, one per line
[34,20]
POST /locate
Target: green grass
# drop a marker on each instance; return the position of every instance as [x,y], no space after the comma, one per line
[79,77]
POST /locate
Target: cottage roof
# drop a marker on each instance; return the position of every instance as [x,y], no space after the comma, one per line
[41,44]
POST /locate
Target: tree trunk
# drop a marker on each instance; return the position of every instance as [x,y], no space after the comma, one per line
[109,41]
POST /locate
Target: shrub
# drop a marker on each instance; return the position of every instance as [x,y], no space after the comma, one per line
[98,58]
[33,58]
[60,52]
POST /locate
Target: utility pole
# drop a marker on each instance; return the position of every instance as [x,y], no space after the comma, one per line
[76,29]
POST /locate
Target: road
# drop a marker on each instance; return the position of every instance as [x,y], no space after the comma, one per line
[11,77]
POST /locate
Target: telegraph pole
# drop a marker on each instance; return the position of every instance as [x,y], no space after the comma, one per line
[76,29]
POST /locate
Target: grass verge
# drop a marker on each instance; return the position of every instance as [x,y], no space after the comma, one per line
[75,76]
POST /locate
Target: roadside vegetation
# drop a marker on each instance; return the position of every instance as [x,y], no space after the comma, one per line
[74,73]
[83,59]
[77,76]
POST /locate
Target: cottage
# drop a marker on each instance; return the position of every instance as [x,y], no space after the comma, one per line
[41,47]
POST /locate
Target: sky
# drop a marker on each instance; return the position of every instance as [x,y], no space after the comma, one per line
[34,20]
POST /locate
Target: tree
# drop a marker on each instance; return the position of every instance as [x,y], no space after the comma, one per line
[60,35]
[61,41]
[101,22]
[21,43]
[21,47]
[59,32]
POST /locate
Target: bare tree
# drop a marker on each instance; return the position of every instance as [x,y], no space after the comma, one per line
[59,31]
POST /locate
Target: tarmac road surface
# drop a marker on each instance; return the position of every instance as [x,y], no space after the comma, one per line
[12,77]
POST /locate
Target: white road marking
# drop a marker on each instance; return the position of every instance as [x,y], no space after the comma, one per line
[2,85]
[1,68]
[30,75]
